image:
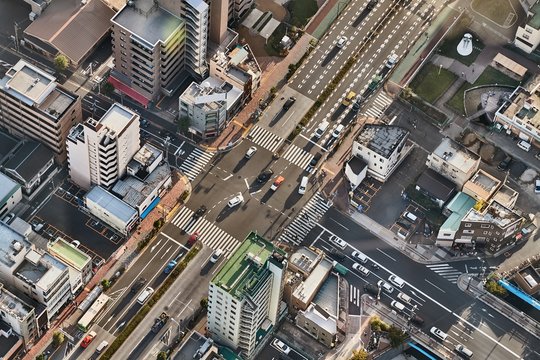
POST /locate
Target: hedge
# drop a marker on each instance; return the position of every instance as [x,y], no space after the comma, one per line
[138,318]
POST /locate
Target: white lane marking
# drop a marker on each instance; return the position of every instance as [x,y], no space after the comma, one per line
[382,252]
[435,286]
[340,224]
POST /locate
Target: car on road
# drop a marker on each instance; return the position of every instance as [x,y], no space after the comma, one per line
[236,200]
[385,286]
[371,289]
[265,175]
[280,345]
[505,164]
[537,186]
[336,254]
[145,295]
[144,123]
[358,255]
[397,281]
[321,129]
[138,285]
[337,241]
[215,256]
[314,161]
[200,212]
[342,40]
[524,145]
[277,183]
[405,298]
[160,322]
[303,185]
[290,101]
[438,333]
[76,243]
[337,131]
[170,266]
[251,151]
[362,270]
[397,305]
[462,350]
[88,339]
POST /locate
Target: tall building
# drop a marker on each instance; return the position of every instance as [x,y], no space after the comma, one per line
[148,48]
[528,36]
[99,150]
[195,14]
[33,105]
[218,20]
[244,298]
[238,9]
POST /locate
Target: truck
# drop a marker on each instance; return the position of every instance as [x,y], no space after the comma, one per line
[160,322]
[340,268]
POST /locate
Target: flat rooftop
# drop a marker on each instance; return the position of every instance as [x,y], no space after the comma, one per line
[327,297]
[7,188]
[111,203]
[134,191]
[117,118]
[382,139]
[523,106]
[11,244]
[484,180]
[306,290]
[41,270]
[28,83]
[494,213]
[11,304]
[304,259]
[149,22]
[456,155]
[534,20]
[205,96]
[69,254]
[239,274]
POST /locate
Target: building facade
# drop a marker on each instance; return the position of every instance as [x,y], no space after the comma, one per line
[195,14]
[100,150]
[245,295]
[528,36]
[10,194]
[18,315]
[33,105]
[453,161]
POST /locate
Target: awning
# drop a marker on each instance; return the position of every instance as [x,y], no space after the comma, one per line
[463,241]
[120,86]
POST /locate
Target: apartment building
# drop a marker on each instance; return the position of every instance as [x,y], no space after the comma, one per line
[453,161]
[18,315]
[383,148]
[482,186]
[80,264]
[195,14]
[148,44]
[244,299]
[238,9]
[519,114]
[528,36]
[33,105]
[100,150]
[10,194]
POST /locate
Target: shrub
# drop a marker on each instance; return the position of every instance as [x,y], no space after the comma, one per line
[106,284]
[58,338]
[493,287]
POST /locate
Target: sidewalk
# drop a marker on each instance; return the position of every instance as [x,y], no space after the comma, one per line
[124,256]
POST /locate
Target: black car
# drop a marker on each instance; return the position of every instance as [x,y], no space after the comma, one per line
[160,322]
[371,289]
[290,101]
[265,175]
[336,254]
[315,160]
[200,212]
[138,285]
[505,164]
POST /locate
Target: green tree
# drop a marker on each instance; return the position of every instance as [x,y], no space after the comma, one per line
[162,355]
[359,354]
[107,88]
[204,303]
[40,357]
[407,93]
[493,287]
[61,62]
[397,336]
[58,338]
[106,284]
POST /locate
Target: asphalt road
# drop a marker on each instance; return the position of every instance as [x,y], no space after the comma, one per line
[439,301]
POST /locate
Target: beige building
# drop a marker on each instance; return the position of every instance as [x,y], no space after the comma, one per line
[453,161]
[482,186]
[303,295]
[319,324]
[33,105]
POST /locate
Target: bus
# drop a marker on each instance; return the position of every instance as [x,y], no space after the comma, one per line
[97,307]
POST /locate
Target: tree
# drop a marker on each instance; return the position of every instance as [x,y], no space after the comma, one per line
[204,303]
[359,354]
[493,287]
[40,357]
[58,338]
[61,62]
[397,336]
[183,124]
[162,355]
[407,93]
[106,284]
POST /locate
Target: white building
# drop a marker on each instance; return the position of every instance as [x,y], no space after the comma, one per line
[528,36]
[383,148]
[13,248]
[18,315]
[80,264]
[355,171]
[453,161]
[195,13]
[99,150]
[245,295]
[10,194]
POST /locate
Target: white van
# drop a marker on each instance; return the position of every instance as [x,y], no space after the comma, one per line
[464,351]
[102,346]
[410,216]
[339,242]
[321,129]
[145,295]
[360,256]
[303,185]
[524,145]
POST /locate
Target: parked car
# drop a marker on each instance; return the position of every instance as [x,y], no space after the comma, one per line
[397,305]
[385,286]
[505,164]
[427,229]
[438,333]
[360,256]
[289,102]
[405,298]
[280,345]
[160,322]
[337,241]
[236,200]
[362,270]
[524,145]
[462,350]
[537,186]
[397,281]
[336,254]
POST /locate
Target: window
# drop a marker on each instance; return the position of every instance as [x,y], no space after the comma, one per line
[485,226]
[468,225]
[484,232]
[529,30]
[468,231]
[525,36]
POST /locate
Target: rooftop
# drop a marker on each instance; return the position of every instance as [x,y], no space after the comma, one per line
[506,196]
[147,154]
[382,139]
[327,297]
[460,204]
[238,63]
[320,317]
[9,345]
[232,92]
[436,185]
[357,164]
[7,144]
[111,203]
[29,159]
[534,20]
[241,272]
[195,344]
[495,214]
[28,83]
[69,254]
[457,155]
[134,191]
[523,106]
[205,96]
[307,289]
[117,118]
[483,184]
[148,21]
[304,259]
[7,188]
[11,304]
[12,244]
[41,270]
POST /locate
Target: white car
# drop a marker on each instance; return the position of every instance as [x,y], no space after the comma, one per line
[339,242]
[398,306]
[524,145]
[251,151]
[360,269]
[281,346]
[461,349]
[237,200]
[397,281]
[342,40]
[438,333]
[537,186]
[405,298]
[360,256]
[76,243]
[385,286]
[337,131]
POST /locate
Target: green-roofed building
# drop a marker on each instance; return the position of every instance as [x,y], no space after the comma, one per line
[79,263]
[456,209]
[244,297]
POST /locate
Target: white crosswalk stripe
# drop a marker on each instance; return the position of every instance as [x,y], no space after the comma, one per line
[306,220]
[195,163]
[354,295]
[264,138]
[297,156]
[210,235]
[446,271]
[378,105]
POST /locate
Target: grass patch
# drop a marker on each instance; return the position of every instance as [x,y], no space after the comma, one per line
[448,46]
[431,82]
[497,11]
[490,76]
[300,11]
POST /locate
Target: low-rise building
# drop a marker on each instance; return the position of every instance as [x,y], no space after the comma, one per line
[456,210]
[453,161]
[436,187]
[197,346]
[13,248]
[482,186]
[528,279]
[10,342]
[80,264]
[319,324]
[528,35]
[383,148]
[18,315]
[356,171]
[304,294]
[10,194]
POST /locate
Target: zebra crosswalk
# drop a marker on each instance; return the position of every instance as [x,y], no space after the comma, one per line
[265,138]
[297,156]
[306,220]
[195,163]
[446,271]
[378,105]
[354,295]
[209,234]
